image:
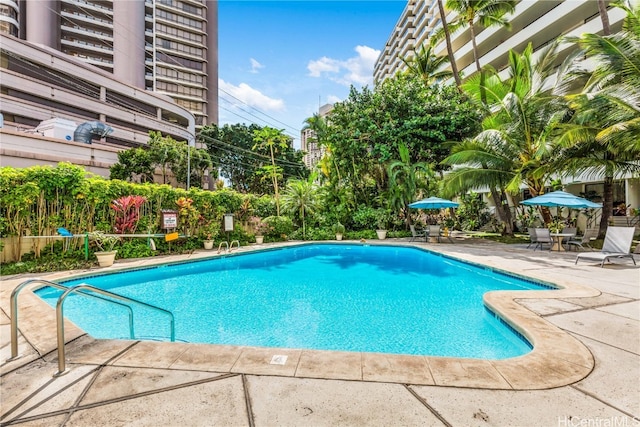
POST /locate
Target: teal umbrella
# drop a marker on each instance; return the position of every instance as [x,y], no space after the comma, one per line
[434,203]
[560,199]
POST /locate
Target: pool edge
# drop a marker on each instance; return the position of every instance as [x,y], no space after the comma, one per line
[557,358]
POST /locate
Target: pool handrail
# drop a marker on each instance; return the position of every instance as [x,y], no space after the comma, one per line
[220,246]
[14,310]
[77,288]
[60,318]
[231,245]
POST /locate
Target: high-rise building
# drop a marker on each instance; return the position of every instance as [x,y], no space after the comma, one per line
[313,151]
[539,22]
[165,46]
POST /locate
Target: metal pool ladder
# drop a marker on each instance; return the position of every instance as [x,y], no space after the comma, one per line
[102,295]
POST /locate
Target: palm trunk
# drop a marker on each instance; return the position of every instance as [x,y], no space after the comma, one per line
[475,45]
[504,213]
[275,181]
[604,17]
[508,229]
[607,205]
[447,36]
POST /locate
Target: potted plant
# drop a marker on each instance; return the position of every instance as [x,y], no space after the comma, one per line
[260,228]
[339,230]
[382,219]
[106,255]
[209,232]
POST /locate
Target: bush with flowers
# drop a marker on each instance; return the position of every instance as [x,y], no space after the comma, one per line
[260,228]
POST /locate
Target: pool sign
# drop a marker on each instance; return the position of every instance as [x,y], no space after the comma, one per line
[169,219]
[228,222]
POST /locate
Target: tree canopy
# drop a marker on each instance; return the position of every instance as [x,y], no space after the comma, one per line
[241,161]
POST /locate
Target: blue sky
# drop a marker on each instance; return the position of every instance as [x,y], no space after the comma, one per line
[280,60]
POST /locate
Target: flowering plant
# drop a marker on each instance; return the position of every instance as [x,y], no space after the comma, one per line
[127,211]
[260,227]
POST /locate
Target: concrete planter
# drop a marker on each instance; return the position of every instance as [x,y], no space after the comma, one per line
[106,259]
[382,234]
[259,240]
[208,244]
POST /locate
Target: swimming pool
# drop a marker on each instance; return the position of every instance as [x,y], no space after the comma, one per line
[388,299]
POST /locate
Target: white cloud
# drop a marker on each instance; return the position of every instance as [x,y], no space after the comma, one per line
[332,99]
[356,70]
[323,65]
[255,65]
[249,96]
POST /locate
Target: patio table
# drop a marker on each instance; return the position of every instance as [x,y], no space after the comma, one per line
[557,241]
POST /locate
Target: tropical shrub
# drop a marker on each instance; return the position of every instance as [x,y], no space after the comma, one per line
[127,211]
[281,227]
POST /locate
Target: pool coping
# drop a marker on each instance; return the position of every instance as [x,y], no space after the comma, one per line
[557,358]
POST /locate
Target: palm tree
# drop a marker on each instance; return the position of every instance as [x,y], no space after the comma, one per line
[602,137]
[488,13]
[425,65]
[447,37]
[484,165]
[301,198]
[517,138]
[273,139]
[405,179]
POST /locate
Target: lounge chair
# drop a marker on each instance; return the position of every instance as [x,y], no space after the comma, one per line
[415,234]
[543,236]
[585,240]
[617,244]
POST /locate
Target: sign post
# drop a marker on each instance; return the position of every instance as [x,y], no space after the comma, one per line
[169,223]
[228,224]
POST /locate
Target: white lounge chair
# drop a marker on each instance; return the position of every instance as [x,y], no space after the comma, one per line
[617,244]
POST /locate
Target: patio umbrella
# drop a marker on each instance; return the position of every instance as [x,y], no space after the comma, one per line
[559,199]
[433,203]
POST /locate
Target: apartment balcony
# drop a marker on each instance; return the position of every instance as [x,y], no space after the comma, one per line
[83,20]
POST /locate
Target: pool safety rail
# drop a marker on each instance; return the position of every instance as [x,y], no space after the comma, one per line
[228,246]
[80,289]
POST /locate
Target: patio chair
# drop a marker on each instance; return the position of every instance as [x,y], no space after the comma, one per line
[415,234]
[569,230]
[543,236]
[617,244]
[584,240]
[434,231]
[532,237]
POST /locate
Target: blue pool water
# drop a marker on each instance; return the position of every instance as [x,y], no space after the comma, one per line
[386,299]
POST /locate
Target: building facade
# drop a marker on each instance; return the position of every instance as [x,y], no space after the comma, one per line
[313,151]
[40,84]
[165,46]
[539,22]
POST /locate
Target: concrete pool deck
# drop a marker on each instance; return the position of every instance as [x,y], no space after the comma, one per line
[585,364]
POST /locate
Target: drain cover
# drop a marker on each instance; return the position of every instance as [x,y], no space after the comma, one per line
[278,360]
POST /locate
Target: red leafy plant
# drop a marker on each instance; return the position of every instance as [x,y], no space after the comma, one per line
[127,211]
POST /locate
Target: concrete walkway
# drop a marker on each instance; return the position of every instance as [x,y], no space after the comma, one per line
[133,383]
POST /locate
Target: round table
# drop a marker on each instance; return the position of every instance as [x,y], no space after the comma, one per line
[557,241]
